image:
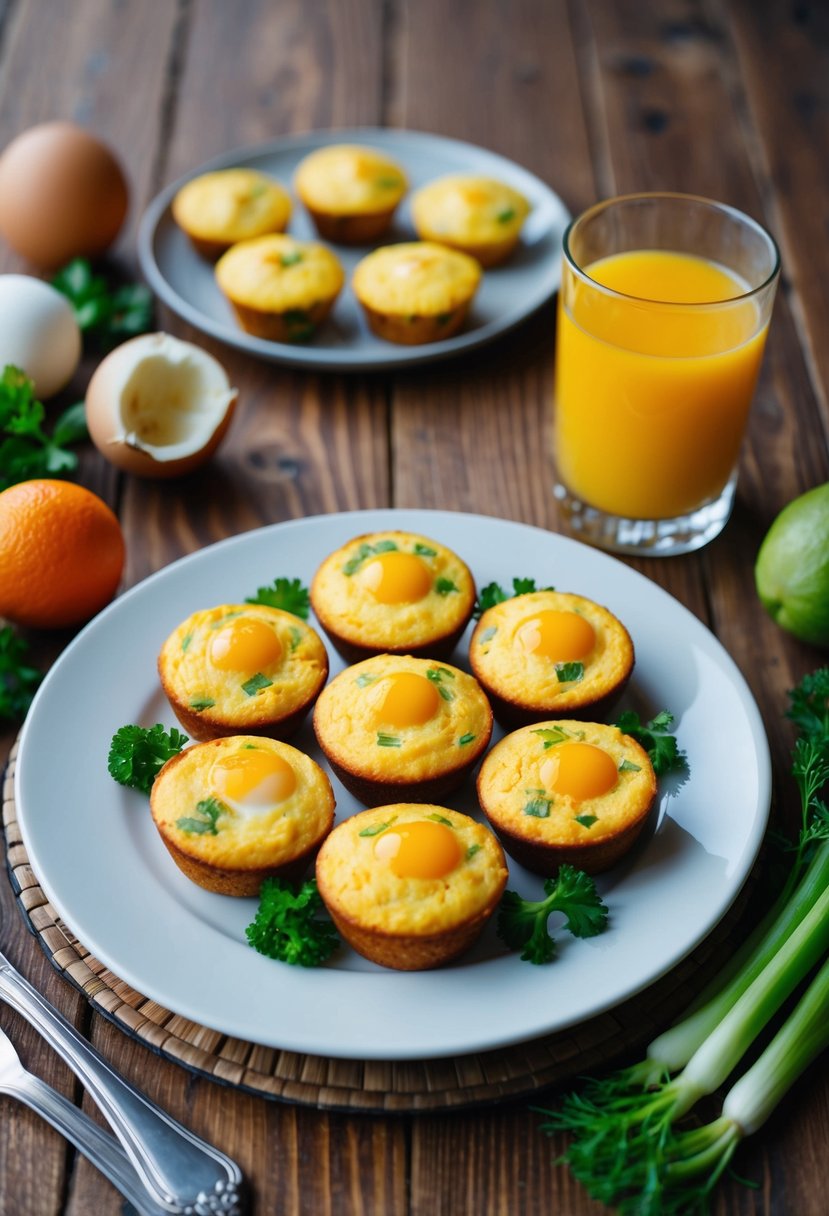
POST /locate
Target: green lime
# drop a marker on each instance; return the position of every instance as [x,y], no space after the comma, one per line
[792,567]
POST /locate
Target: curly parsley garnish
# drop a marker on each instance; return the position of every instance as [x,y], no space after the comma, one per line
[494,593]
[522,923]
[655,738]
[208,811]
[287,594]
[292,927]
[138,753]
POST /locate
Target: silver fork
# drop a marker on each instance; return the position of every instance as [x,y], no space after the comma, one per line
[182,1174]
[103,1150]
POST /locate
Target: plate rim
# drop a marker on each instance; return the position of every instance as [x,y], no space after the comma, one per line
[335,359]
[412,518]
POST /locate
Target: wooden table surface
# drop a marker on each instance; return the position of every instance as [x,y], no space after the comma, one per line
[725,98]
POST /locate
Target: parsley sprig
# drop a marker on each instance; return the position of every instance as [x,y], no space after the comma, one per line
[656,739]
[288,594]
[105,313]
[18,680]
[494,593]
[522,923]
[138,753]
[292,926]
[26,449]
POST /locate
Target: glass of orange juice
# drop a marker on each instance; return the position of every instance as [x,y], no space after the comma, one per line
[664,307]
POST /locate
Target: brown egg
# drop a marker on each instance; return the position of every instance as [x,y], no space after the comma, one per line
[159,407]
[62,195]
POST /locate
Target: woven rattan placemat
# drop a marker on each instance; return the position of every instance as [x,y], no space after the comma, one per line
[354,1085]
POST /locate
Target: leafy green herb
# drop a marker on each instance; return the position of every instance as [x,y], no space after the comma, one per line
[440,819]
[292,927]
[445,586]
[287,594]
[504,216]
[18,681]
[387,183]
[208,811]
[494,593]
[228,616]
[107,314]
[627,766]
[522,923]
[472,850]
[185,641]
[570,673]
[550,735]
[538,805]
[438,676]
[384,740]
[586,821]
[422,550]
[291,258]
[464,739]
[26,450]
[296,637]
[365,679]
[655,738]
[365,551]
[200,703]
[376,828]
[255,684]
[138,753]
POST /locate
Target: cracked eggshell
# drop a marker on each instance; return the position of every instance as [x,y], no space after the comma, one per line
[159,407]
[38,332]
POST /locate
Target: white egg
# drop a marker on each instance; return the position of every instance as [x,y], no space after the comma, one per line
[38,332]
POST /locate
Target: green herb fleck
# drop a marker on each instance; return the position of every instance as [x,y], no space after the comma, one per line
[200,703]
[257,190]
[552,735]
[384,740]
[472,850]
[209,810]
[570,673]
[287,594]
[538,804]
[464,739]
[504,216]
[365,551]
[422,550]
[627,766]
[436,818]
[291,258]
[437,676]
[185,641]
[444,586]
[586,821]
[296,637]
[365,679]
[376,828]
[255,684]
[387,183]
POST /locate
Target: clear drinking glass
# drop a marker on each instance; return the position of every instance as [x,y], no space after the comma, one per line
[664,307]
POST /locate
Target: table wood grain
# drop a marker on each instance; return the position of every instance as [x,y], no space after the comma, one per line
[725,98]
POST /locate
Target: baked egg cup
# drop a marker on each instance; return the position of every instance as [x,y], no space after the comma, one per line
[234,811]
[567,791]
[242,669]
[548,654]
[279,288]
[416,292]
[216,210]
[480,216]
[351,192]
[393,592]
[399,728]
[411,886]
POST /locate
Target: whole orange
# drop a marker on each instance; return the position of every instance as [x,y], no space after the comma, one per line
[61,554]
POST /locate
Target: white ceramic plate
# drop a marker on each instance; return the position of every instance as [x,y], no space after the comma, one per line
[99,859]
[507,294]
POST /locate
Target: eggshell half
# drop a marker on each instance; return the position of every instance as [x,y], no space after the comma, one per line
[159,407]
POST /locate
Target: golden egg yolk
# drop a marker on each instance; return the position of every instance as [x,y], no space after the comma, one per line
[245,644]
[423,849]
[404,699]
[560,636]
[579,770]
[253,777]
[397,578]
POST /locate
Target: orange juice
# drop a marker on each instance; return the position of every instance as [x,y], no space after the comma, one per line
[654,379]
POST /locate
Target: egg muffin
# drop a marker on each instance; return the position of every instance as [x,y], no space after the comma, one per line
[393,593]
[350,192]
[416,292]
[567,791]
[235,811]
[242,668]
[550,654]
[411,886]
[478,215]
[397,727]
[280,288]
[218,209]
